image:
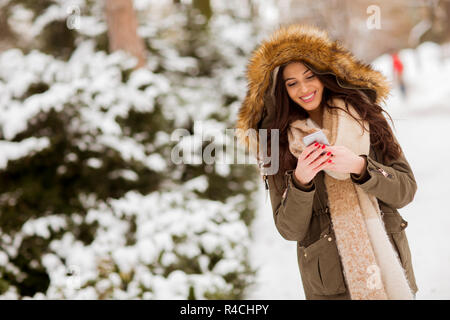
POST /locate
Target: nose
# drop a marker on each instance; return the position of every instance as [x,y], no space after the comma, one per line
[302,89]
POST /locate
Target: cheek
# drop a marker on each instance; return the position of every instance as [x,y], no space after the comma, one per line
[291,93]
[319,85]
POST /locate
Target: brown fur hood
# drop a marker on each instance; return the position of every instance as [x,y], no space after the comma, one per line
[312,46]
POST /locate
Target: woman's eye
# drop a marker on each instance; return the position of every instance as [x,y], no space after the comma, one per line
[291,84]
[310,77]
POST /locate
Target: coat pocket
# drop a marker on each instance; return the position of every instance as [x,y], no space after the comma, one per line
[395,228]
[393,222]
[321,267]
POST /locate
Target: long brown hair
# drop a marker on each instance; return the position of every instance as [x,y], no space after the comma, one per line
[363,101]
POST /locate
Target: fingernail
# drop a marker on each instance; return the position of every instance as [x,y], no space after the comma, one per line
[330,161]
[323,147]
[316,144]
[329,152]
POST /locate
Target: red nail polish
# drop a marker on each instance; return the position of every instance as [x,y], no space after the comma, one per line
[330,161]
[329,152]
[316,144]
[323,147]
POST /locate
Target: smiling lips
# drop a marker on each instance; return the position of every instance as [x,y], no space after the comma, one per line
[309,97]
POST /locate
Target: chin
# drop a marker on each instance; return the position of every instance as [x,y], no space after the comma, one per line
[309,108]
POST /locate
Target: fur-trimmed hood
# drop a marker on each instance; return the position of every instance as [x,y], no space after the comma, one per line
[312,46]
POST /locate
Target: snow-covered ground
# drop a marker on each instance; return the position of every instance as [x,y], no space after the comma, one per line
[421,122]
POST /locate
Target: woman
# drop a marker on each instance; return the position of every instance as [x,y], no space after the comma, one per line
[339,200]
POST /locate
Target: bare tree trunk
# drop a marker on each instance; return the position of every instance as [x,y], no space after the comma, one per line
[122,29]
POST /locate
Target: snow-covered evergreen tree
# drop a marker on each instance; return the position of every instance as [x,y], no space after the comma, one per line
[91,204]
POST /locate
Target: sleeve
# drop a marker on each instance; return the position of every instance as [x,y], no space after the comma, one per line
[292,210]
[364,176]
[304,187]
[393,183]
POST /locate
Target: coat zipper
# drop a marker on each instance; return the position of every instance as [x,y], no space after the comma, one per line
[266,183]
[283,197]
[284,194]
[383,172]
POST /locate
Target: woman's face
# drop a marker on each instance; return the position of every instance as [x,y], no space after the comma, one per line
[302,85]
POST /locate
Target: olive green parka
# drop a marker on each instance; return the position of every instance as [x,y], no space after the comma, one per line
[300,212]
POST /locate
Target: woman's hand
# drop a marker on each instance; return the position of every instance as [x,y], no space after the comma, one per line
[310,162]
[344,160]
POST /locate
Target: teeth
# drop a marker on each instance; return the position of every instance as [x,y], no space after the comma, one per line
[308,97]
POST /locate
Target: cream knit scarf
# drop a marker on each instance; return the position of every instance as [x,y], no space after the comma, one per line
[372,269]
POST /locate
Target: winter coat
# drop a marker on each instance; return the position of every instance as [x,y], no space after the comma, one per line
[301,212]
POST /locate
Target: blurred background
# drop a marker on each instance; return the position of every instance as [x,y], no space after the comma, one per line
[92,205]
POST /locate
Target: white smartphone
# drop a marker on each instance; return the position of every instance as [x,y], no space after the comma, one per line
[317,136]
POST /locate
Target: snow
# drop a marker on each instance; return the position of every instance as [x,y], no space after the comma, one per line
[3,259]
[160,217]
[41,226]
[175,224]
[16,150]
[199,183]
[421,123]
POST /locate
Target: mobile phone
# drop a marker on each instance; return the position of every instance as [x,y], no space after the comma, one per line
[317,136]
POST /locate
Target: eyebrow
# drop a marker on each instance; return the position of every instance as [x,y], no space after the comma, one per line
[307,69]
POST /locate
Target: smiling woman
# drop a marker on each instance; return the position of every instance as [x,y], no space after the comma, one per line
[339,205]
[304,88]
[294,82]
